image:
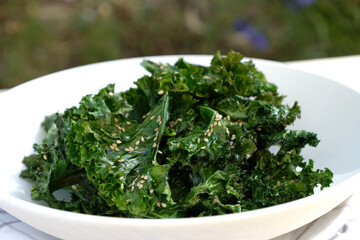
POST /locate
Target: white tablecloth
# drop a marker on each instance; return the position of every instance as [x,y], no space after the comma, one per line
[342,223]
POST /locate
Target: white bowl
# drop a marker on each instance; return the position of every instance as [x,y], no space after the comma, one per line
[328,108]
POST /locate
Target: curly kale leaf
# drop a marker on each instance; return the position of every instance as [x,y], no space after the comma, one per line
[187,141]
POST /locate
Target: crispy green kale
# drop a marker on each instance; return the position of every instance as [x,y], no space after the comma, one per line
[188,141]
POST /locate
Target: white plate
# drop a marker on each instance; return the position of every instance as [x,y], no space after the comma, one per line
[328,108]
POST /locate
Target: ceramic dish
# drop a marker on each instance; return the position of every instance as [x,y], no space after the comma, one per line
[328,108]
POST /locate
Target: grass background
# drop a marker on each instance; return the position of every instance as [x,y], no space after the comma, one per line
[38,37]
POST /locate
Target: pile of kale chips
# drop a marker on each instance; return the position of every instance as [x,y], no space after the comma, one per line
[188,141]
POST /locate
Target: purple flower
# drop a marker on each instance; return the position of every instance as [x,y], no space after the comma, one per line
[300,3]
[305,3]
[258,39]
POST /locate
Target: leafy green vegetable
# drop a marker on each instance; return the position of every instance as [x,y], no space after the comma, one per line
[188,141]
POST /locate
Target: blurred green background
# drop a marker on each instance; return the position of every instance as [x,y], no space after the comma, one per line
[38,37]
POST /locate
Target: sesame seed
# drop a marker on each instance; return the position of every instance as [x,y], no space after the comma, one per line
[118,142]
[161,92]
[227,131]
[203,147]
[145,115]
[198,140]
[191,146]
[113,166]
[231,143]
[117,126]
[121,161]
[114,134]
[156,129]
[75,117]
[122,186]
[163,205]
[116,120]
[139,185]
[152,117]
[114,144]
[171,143]
[132,188]
[141,181]
[154,145]
[44,157]
[121,178]
[151,190]
[136,147]
[216,90]
[127,150]
[117,149]
[148,137]
[232,147]
[233,137]
[153,162]
[178,145]
[206,140]
[128,123]
[228,117]
[145,177]
[219,123]
[142,139]
[111,94]
[74,187]
[158,204]
[158,119]
[155,138]
[137,142]
[131,149]
[160,152]
[128,200]
[112,147]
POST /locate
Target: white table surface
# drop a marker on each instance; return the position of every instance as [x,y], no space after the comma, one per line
[342,223]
